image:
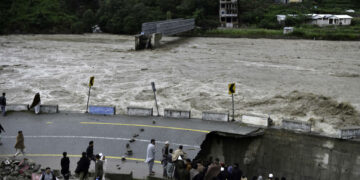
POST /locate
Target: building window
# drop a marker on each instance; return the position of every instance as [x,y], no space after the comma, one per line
[222,19]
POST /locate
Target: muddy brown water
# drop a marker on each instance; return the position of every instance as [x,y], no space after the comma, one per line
[190,73]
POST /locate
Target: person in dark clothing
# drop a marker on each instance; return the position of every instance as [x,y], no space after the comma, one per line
[48,175]
[165,153]
[1,130]
[3,104]
[36,103]
[83,167]
[65,165]
[236,172]
[99,169]
[90,151]
[223,175]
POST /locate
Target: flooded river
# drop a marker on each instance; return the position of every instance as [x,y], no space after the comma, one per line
[283,78]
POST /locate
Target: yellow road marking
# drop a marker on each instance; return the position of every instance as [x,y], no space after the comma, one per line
[49,122]
[72,155]
[143,125]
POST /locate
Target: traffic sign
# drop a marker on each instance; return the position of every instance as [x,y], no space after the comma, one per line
[91,83]
[153,86]
[232,88]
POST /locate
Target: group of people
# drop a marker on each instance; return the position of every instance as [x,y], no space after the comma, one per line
[83,164]
[177,166]
[34,105]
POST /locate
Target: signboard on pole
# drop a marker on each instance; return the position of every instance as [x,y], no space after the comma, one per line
[232,88]
[91,83]
[153,86]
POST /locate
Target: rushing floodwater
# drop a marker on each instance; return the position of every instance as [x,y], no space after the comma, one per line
[190,73]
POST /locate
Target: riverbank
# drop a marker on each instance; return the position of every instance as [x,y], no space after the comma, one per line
[351,33]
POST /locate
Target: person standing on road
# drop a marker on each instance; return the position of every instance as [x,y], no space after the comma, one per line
[170,165]
[213,170]
[150,156]
[90,151]
[65,165]
[36,103]
[179,153]
[99,168]
[165,153]
[1,130]
[83,167]
[3,104]
[20,145]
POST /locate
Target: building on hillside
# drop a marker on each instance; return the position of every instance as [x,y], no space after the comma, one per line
[228,13]
[320,19]
[329,19]
[288,1]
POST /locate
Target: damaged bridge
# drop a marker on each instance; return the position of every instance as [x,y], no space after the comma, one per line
[152,32]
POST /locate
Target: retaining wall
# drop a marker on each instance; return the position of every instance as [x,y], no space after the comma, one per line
[215,116]
[102,110]
[49,108]
[16,107]
[256,120]
[174,113]
[138,111]
[349,133]
[296,125]
[296,156]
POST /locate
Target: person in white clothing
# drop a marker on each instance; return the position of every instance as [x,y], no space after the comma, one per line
[150,156]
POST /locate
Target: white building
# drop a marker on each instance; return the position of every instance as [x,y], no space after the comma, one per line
[228,13]
[321,19]
[329,19]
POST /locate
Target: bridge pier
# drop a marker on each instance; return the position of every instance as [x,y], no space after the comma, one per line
[152,32]
[147,41]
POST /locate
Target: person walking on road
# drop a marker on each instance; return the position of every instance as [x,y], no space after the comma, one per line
[36,103]
[3,104]
[1,130]
[165,153]
[150,156]
[83,167]
[20,145]
[90,151]
[65,165]
[48,175]
[99,168]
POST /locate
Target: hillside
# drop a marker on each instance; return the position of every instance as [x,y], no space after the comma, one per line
[126,16]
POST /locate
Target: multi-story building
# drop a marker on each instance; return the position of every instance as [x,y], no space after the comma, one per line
[228,13]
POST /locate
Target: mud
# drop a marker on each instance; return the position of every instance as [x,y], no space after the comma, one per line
[190,73]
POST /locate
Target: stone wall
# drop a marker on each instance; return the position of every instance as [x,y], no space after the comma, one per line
[296,156]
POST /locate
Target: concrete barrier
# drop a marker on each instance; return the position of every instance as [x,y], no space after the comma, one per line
[349,133]
[49,108]
[256,120]
[138,111]
[215,116]
[114,176]
[16,107]
[102,110]
[296,125]
[173,113]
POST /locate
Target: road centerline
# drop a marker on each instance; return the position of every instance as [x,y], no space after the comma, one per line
[145,125]
[104,138]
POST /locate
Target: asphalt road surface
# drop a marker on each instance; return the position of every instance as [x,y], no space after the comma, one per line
[48,135]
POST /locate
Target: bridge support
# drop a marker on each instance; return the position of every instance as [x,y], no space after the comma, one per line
[147,41]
